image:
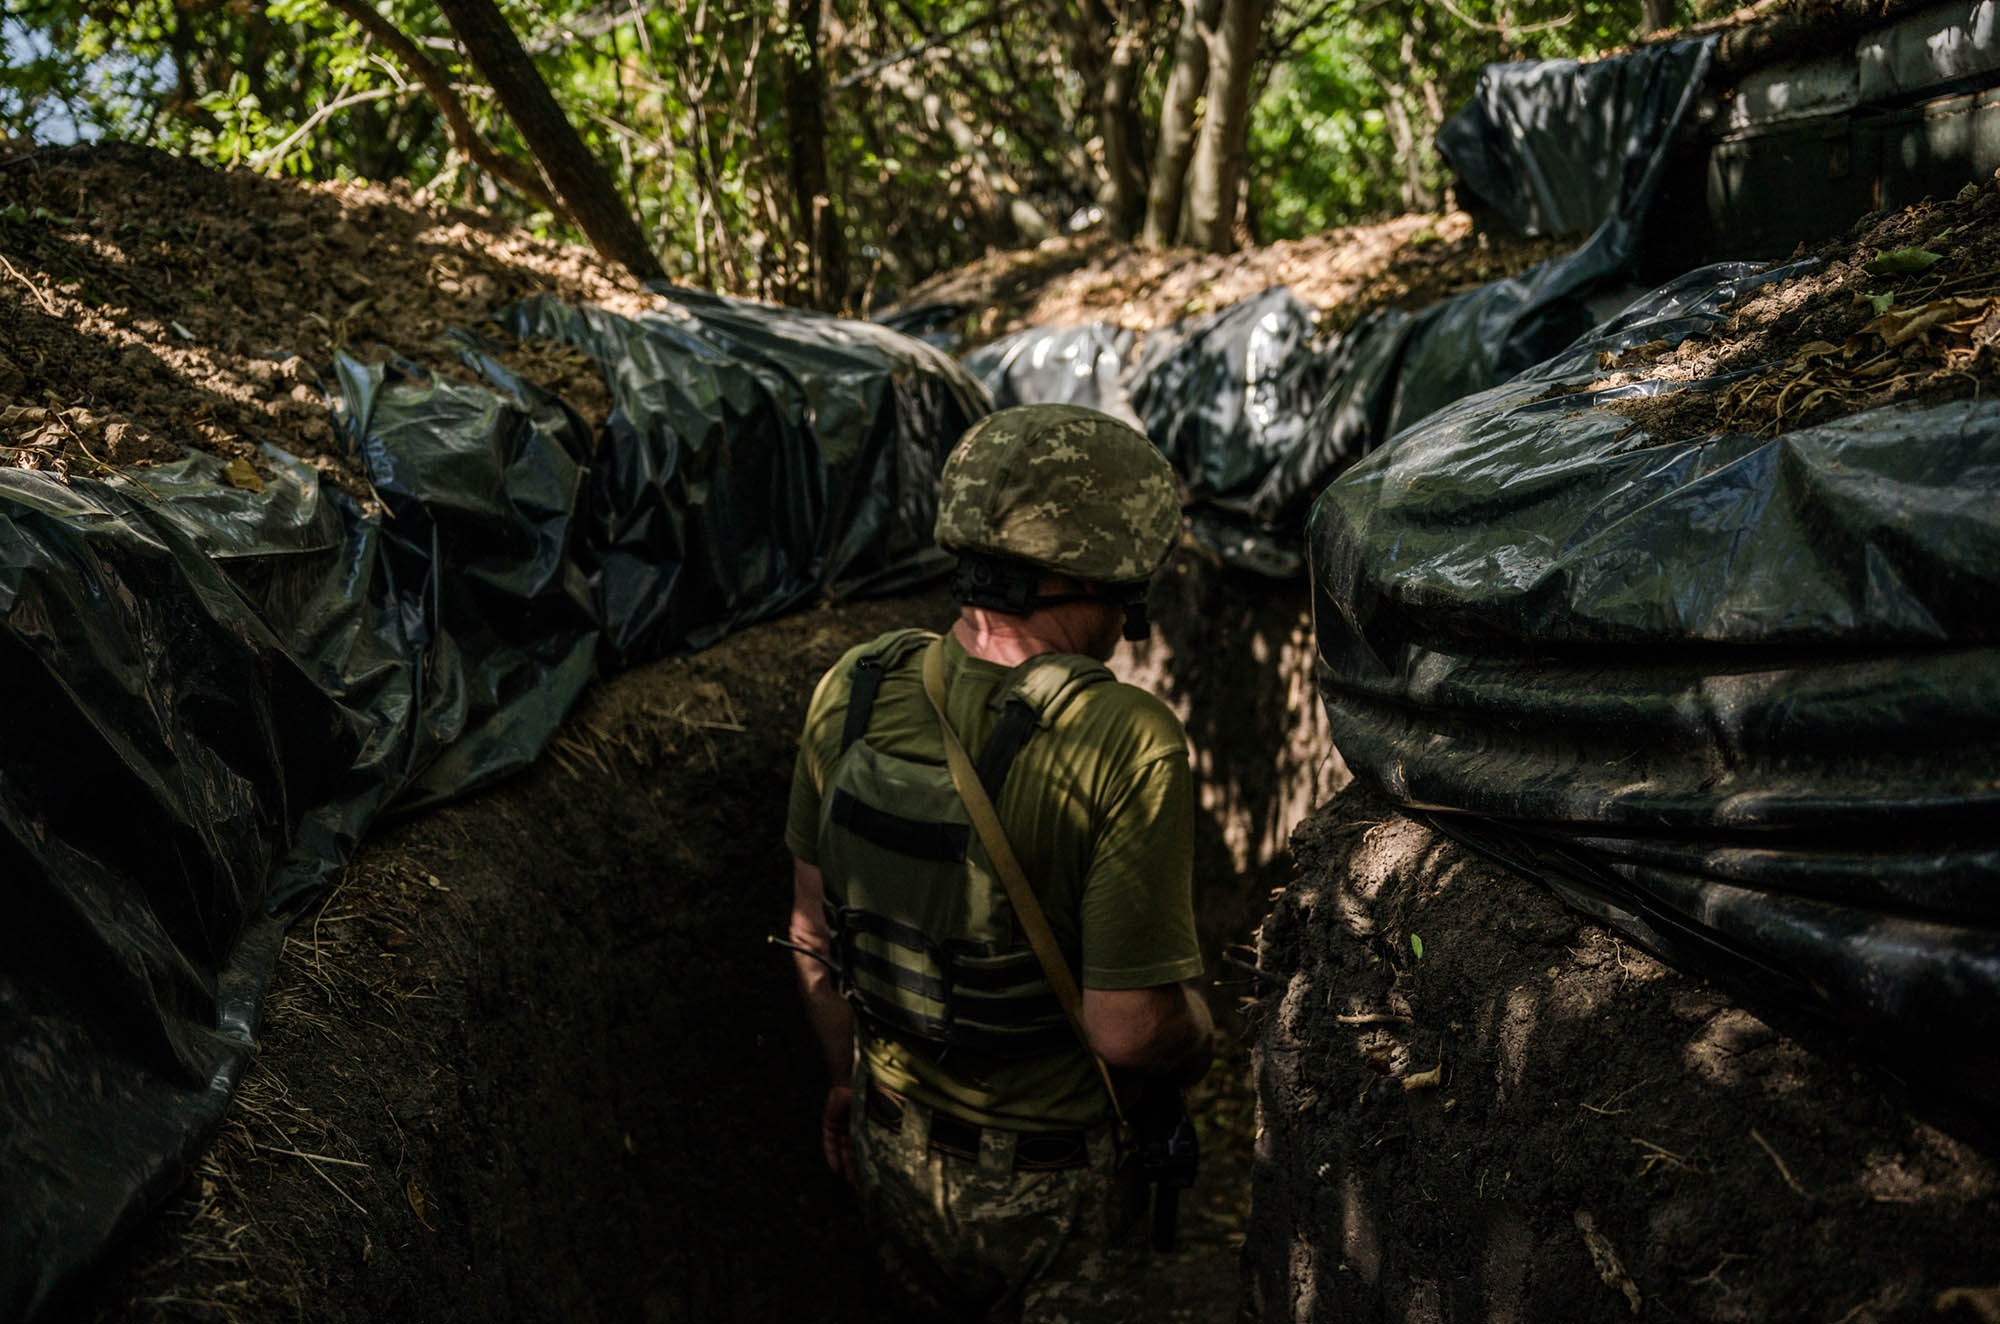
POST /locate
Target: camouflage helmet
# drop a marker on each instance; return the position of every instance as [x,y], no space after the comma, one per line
[1064,488]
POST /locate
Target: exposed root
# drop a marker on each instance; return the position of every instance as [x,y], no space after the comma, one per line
[1783,1171]
[1609,1267]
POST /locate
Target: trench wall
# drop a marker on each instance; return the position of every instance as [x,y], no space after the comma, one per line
[1474,1104]
[1232,653]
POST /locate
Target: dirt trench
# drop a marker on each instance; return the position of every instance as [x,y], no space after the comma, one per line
[1475,1104]
[534,1058]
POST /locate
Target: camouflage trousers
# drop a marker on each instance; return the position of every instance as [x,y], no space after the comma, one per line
[972,1240]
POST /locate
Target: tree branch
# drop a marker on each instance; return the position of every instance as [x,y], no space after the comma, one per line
[1507,31]
[277,151]
[516,174]
[927,45]
[589,196]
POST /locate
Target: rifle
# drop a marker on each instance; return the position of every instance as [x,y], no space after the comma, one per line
[1167,1152]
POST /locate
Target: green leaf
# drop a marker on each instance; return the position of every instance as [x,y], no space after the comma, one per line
[1901,261]
[1880,302]
[1417,946]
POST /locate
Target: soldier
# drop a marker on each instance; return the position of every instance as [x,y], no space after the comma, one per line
[980,1132]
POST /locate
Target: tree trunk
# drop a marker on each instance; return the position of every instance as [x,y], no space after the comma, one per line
[805,131]
[1215,178]
[518,175]
[1658,17]
[1176,142]
[1403,138]
[1124,194]
[575,175]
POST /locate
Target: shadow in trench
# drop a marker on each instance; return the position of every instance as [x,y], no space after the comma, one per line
[1233,654]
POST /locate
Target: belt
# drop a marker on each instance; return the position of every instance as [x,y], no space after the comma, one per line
[1034,1151]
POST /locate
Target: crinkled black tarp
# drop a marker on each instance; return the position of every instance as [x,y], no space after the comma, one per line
[1258,417]
[147,789]
[936,324]
[756,458]
[214,692]
[1739,696]
[1070,365]
[1558,147]
[1227,397]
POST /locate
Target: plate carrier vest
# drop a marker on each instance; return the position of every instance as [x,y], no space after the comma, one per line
[924,936]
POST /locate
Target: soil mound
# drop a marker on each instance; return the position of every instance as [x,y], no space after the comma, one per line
[1407,262]
[1475,1104]
[150,306]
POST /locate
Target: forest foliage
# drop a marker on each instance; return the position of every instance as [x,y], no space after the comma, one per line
[828,152]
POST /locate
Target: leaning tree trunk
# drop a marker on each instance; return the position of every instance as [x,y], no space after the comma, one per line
[576,176]
[515,173]
[805,129]
[1175,148]
[1124,194]
[1216,176]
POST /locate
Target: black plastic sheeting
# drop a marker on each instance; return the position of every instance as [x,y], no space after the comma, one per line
[1079,365]
[756,461]
[1228,399]
[1739,696]
[1258,414]
[213,693]
[936,324]
[1555,147]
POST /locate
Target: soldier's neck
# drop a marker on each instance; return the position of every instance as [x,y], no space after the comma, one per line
[1010,640]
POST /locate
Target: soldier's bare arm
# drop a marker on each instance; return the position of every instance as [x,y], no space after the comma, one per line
[832,1019]
[1165,1029]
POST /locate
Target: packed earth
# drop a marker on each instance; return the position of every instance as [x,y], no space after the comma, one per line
[534,1056]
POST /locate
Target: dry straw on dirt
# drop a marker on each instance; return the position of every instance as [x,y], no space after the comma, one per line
[1905,309]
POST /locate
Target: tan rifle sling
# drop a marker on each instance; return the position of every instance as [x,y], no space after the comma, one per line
[987,823]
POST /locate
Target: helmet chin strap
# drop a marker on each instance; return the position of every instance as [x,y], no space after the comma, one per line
[1138,626]
[1004,587]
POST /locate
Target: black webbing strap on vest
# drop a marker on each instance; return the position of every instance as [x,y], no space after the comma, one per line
[1017,719]
[906,836]
[997,755]
[861,699]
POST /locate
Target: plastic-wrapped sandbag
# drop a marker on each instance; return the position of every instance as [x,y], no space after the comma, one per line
[145,799]
[1562,146]
[1227,397]
[1738,695]
[756,458]
[1074,365]
[240,682]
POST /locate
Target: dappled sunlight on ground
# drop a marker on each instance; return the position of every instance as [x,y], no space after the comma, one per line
[1522,1117]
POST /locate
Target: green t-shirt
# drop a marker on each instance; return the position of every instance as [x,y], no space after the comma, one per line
[1099,807]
